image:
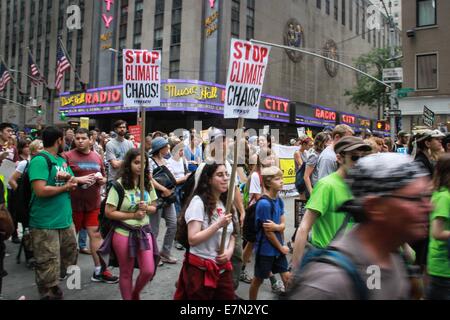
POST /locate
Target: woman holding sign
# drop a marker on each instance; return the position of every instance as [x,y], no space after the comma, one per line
[206,274]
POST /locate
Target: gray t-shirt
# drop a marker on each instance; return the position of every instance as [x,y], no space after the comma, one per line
[327,163]
[116,150]
[311,161]
[323,281]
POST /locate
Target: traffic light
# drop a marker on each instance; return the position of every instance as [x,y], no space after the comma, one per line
[39,110]
[381,125]
[62,116]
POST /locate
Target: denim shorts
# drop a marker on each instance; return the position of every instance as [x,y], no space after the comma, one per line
[264,265]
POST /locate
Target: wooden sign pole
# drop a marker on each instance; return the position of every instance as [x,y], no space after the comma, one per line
[143,155]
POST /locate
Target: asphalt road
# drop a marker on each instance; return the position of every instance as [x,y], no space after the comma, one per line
[20,280]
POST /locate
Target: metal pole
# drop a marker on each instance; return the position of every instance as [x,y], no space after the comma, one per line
[322,57]
[70,61]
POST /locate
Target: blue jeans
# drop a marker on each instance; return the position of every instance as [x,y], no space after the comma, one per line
[82,237]
[178,202]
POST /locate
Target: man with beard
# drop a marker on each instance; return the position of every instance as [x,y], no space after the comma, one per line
[53,234]
[116,149]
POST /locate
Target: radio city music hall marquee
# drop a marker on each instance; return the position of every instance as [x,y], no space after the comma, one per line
[176,95]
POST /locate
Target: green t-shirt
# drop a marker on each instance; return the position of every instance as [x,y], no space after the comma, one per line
[328,195]
[49,212]
[438,262]
[130,204]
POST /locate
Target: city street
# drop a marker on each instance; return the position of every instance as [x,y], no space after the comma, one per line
[20,280]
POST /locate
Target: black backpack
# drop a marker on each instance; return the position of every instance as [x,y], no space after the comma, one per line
[105,225]
[299,178]
[24,192]
[249,229]
[187,189]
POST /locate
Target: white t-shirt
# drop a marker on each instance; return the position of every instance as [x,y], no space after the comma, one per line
[255,184]
[196,212]
[21,166]
[176,167]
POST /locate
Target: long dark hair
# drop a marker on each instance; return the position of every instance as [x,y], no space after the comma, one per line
[442,172]
[127,175]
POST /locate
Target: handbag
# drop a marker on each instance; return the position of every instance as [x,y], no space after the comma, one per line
[164,177]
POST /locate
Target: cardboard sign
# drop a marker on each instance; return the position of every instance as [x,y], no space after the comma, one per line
[84,122]
[248,64]
[141,78]
[301,131]
[136,132]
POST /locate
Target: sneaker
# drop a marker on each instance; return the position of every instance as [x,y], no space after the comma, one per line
[105,276]
[278,287]
[244,277]
[168,259]
[15,239]
[160,263]
[85,251]
[179,246]
[56,293]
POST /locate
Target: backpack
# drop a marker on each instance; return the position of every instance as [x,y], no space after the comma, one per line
[24,192]
[299,178]
[335,257]
[249,228]
[187,189]
[246,192]
[105,225]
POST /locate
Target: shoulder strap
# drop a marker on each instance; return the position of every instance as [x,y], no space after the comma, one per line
[120,191]
[339,259]
[49,163]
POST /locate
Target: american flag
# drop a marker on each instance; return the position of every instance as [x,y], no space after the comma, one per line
[5,76]
[62,64]
[37,78]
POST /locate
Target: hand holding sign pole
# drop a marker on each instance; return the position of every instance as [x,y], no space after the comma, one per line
[141,88]
[246,71]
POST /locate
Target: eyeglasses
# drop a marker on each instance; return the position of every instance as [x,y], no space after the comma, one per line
[419,198]
[354,157]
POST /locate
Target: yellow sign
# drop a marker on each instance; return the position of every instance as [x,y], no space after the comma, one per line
[198,93]
[309,133]
[84,122]
[288,168]
[74,100]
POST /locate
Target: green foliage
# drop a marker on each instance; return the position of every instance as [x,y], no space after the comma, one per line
[368,92]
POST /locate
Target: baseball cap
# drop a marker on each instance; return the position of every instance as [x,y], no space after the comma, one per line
[215,134]
[403,134]
[350,143]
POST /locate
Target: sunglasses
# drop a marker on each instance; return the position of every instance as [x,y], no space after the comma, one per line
[354,157]
[419,198]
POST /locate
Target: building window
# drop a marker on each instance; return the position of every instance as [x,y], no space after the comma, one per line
[427,73]
[250,19]
[426,13]
[350,15]
[336,13]
[363,24]
[327,7]
[319,4]
[343,12]
[235,13]
[159,25]
[175,40]
[139,7]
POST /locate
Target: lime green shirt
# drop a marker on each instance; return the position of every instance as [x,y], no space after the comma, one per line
[49,212]
[438,262]
[328,195]
[130,204]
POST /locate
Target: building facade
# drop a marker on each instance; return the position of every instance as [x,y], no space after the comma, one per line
[425,62]
[194,37]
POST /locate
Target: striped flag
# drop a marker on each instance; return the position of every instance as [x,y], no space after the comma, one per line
[62,65]
[34,71]
[5,76]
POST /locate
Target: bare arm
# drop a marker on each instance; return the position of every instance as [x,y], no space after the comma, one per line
[302,235]
[115,163]
[271,236]
[112,213]
[273,227]
[196,235]
[42,190]
[239,204]
[308,171]
[298,159]
[438,230]
[13,180]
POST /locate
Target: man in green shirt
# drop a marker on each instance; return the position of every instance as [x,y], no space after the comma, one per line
[52,231]
[328,195]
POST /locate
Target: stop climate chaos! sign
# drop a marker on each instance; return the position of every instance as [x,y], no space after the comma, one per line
[248,64]
[141,78]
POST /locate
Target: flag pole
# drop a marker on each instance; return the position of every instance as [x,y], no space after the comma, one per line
[70,61]
[37,67]
[12,78]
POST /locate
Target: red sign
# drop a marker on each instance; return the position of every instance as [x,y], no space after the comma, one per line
[348,119]
[104,97]
[325,114]
[136,132]
[276,105]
